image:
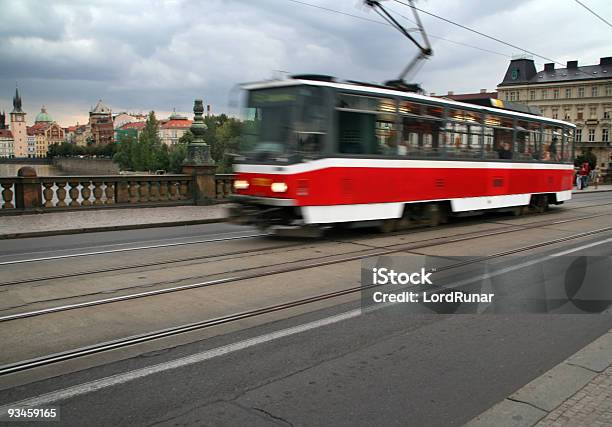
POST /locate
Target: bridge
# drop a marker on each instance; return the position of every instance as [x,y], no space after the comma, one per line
[282,328]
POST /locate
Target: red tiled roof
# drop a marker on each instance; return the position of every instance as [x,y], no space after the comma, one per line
[133,125]
[176,124]
[6,133]
[38,128]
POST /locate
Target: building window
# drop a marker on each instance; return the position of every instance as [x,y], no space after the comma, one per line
[591,135]
[507,95]
[593,113]
[594,91]
[579,115]
[555,114]
[568,93]
[555,93]
[606,115]
[532,95]
[608,90]
[605,135]
[513,96]
[580,92]
[578,135]
[544,93]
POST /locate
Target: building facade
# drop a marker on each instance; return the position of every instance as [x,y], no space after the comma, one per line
[45,132]
[171,130]
[578,94]
[101,124]
[6,144]
[19,129]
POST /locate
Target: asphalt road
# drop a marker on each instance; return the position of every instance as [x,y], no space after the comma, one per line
[384,367]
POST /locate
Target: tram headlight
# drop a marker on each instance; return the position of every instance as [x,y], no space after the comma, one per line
[241,184]
[278,187]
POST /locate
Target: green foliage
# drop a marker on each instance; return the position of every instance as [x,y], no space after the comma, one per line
[65,149]
[147,153]
[586,157]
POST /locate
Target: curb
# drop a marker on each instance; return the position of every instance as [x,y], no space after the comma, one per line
[590,191]
[47,233]
[536,400]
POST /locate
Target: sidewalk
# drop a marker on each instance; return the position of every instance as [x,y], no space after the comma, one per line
[90,220]
[577,392]
[591,189]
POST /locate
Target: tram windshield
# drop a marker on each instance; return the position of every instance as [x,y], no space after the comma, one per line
[285,122]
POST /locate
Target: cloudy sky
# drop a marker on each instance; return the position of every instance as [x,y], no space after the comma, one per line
[142,55]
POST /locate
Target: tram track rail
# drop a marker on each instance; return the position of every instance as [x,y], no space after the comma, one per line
[370,251]
[111,269]
[217,321]
[138,248]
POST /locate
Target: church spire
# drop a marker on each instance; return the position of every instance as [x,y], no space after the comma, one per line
[17,102]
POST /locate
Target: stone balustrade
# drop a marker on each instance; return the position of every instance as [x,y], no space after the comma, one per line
[52,193]
[224,185]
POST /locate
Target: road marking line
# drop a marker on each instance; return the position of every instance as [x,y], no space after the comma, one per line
[590,245]
[122,378]
[109,251]
[113,380]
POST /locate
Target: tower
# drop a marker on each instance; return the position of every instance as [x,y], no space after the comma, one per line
[18,127]
[2,120]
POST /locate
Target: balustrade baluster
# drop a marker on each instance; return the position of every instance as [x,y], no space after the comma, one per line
[144,191]
[218,189]
[154,191]
[184,190]
[74,194]
[48,194]
[97,192]
[7,196]
[133,192]
[85,193]
[61,194]
[174,190]
[109,192]
[163,191]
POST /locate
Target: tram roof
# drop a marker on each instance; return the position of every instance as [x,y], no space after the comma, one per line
[398,93]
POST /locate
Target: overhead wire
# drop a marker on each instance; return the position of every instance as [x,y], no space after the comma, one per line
[389,25]
[593,12]
[486,35]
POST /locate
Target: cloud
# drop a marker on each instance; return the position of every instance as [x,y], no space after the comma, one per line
[161,54]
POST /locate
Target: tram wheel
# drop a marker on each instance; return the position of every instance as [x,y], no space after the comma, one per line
[388,225]
[435,215]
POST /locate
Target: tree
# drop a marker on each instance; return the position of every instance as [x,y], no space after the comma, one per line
[227,142]
[586,157]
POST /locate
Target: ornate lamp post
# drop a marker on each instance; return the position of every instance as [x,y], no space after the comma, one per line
[198,162]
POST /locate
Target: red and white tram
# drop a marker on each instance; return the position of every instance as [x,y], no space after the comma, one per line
[323,152]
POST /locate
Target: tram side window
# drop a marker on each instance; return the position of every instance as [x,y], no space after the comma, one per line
[527,136]
[502,129]
[366,125]
[418,137]
[311,123]
[421,126]
[568,144]
[463,131]
[551,144]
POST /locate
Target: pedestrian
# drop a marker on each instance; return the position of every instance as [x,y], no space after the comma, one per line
[595,176]
[584,175]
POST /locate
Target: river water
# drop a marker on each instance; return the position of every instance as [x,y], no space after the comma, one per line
[41,170]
